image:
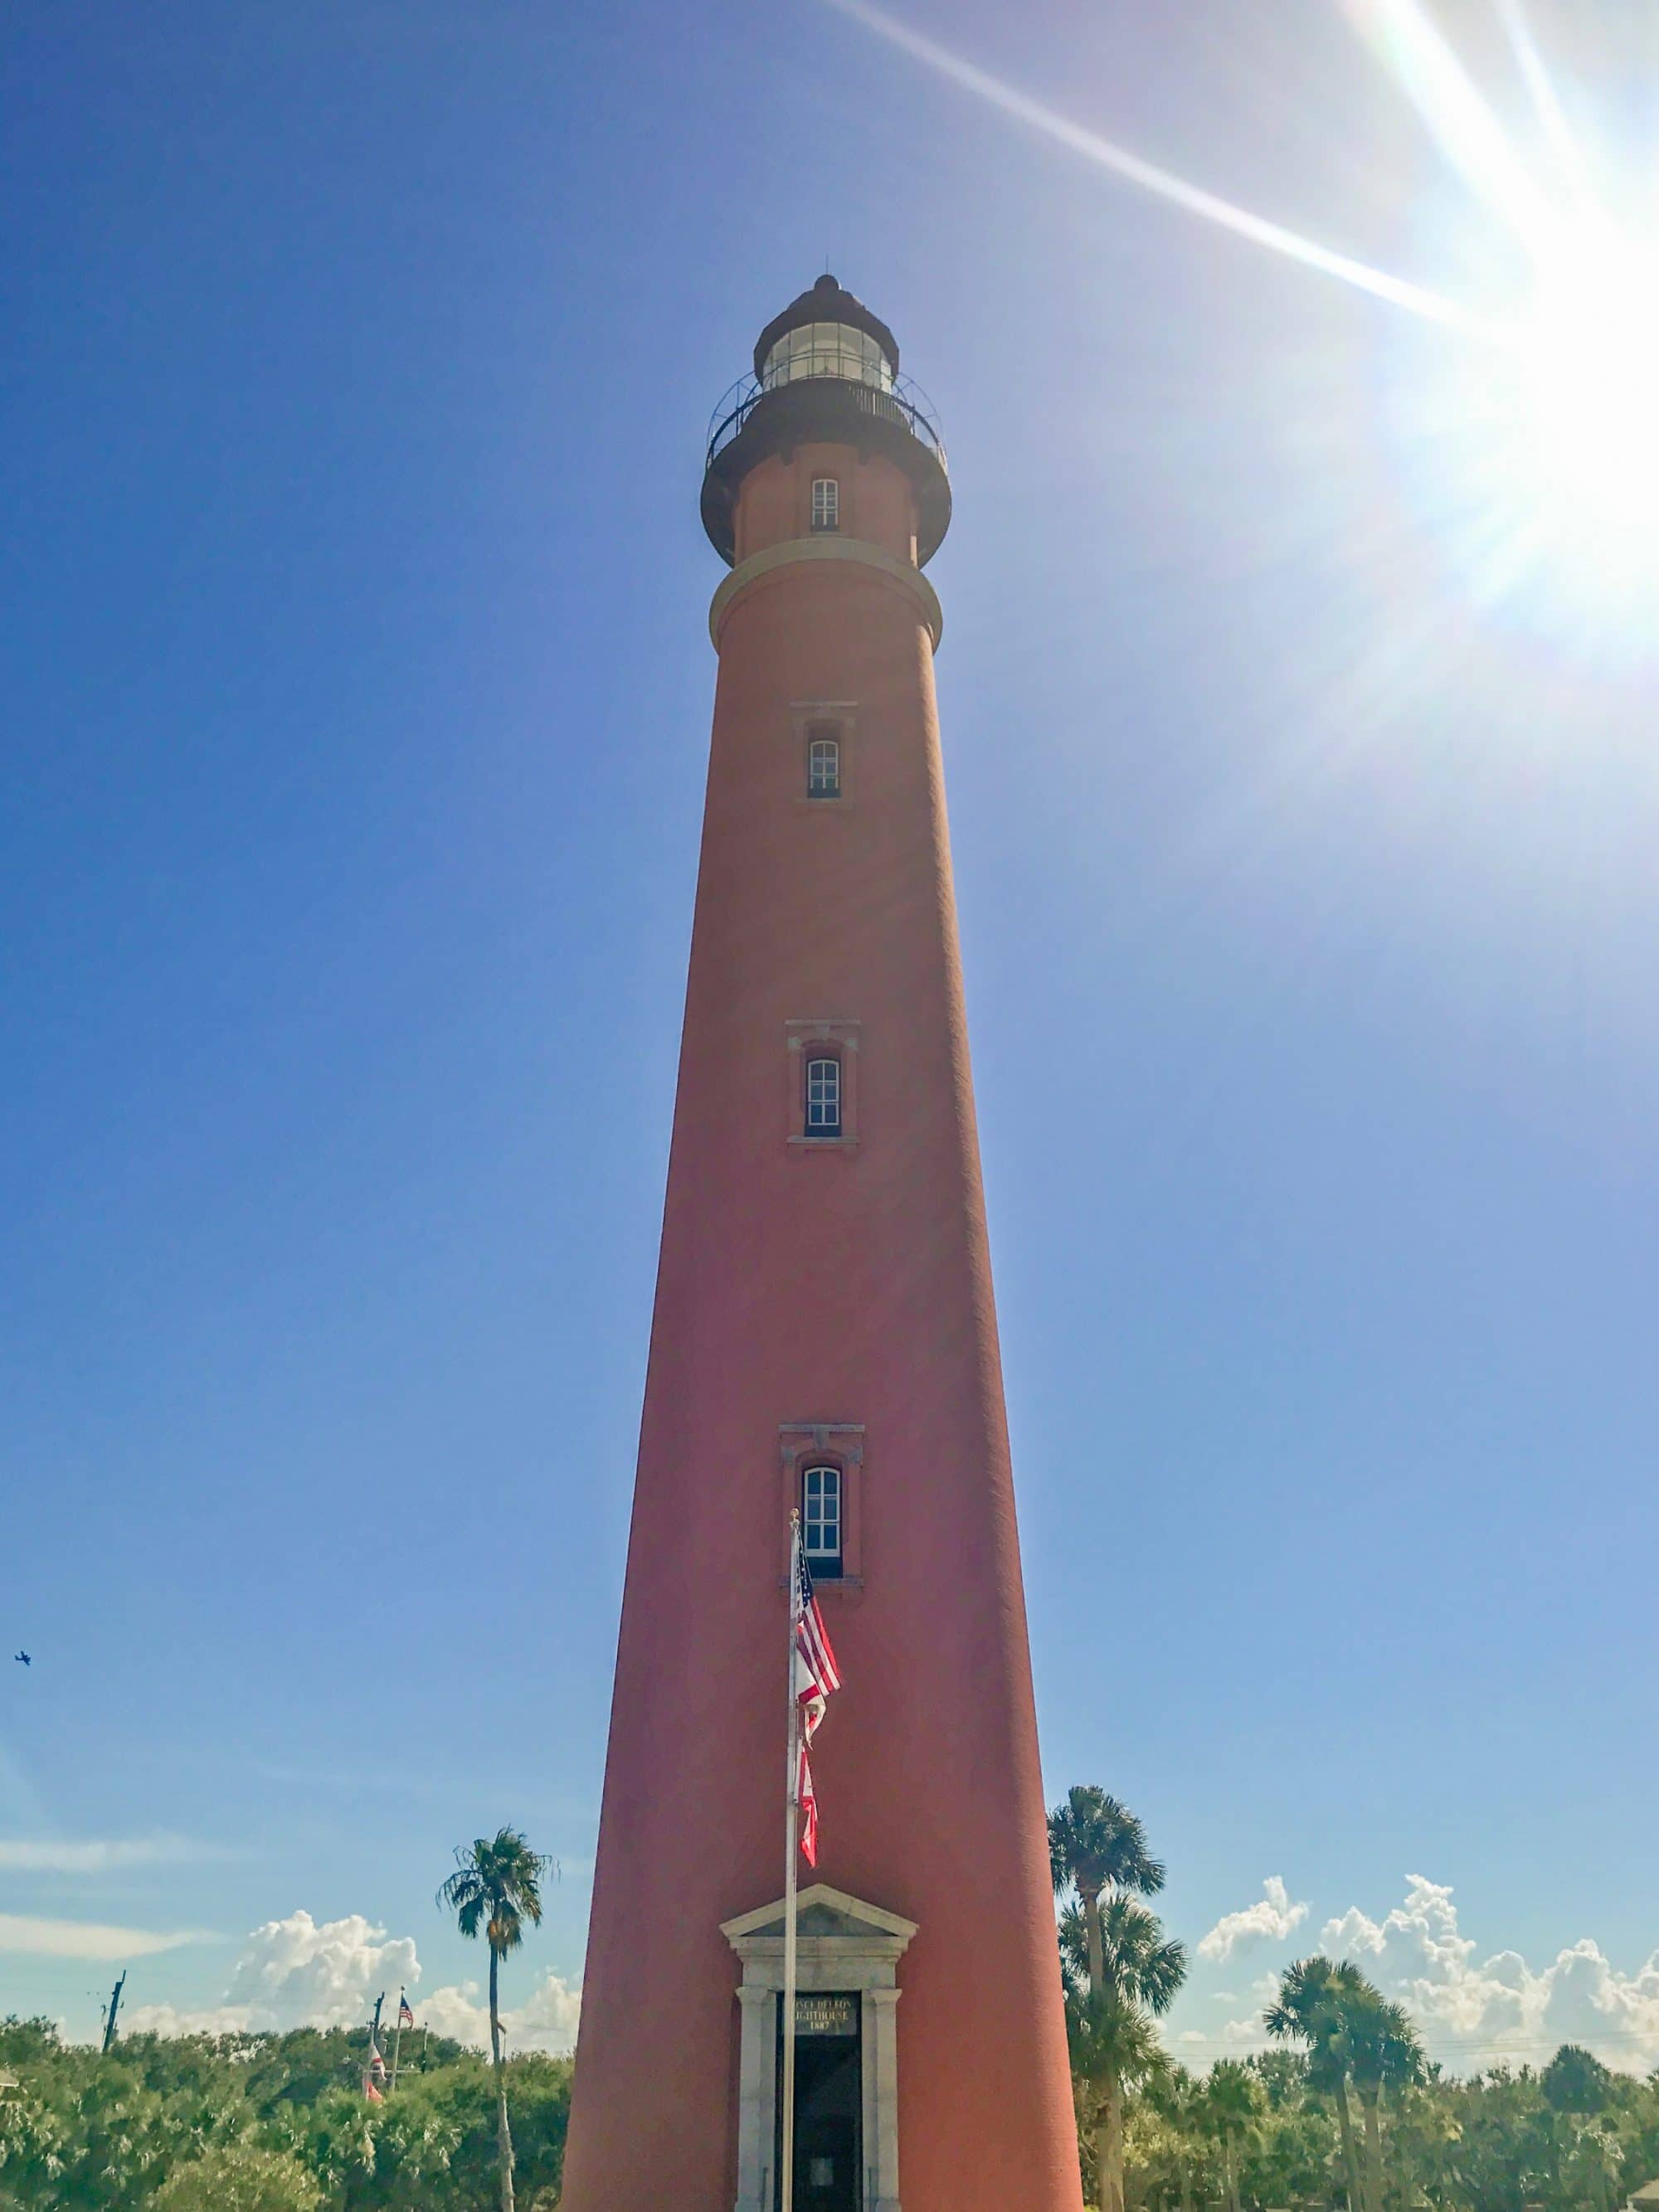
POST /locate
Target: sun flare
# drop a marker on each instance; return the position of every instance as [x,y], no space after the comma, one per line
[1531,441]
[1588,356]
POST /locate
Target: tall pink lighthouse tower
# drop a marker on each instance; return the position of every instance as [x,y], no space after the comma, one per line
[825,1340]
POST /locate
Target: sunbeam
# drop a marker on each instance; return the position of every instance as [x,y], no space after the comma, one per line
[1537,446]
[1545,105]
[1468,132]
[1161,182]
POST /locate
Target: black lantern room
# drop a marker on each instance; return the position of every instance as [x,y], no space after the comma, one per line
[825,369]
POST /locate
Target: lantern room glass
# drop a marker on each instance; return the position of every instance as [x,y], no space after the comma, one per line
[827,350]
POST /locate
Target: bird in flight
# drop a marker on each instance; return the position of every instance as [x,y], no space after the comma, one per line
[23,1658]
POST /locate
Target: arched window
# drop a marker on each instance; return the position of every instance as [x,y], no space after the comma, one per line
[823,765]
[826,503]
[824,1097]
[821,1522]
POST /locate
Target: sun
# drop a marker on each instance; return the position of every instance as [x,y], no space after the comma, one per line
[1532,448]
[1587,377]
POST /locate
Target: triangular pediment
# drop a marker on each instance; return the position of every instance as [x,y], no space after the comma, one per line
[824,1913]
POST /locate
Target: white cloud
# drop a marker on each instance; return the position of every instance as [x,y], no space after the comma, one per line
[546,2020]
[42,1855]
[298,1971]
[1272,1916]
[1472,2011]
[1354,1934]
[88,1939]
[1237,2035]
[295,1972]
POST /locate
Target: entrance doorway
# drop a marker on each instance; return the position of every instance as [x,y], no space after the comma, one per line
[847,2001]
[828,2103]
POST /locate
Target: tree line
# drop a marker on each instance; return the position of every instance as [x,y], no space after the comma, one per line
[267,2123]
[305,2122]
[1345,2111]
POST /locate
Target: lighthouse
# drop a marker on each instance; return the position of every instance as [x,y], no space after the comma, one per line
[824,1344]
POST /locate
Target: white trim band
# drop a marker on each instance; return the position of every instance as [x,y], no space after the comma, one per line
[904,574]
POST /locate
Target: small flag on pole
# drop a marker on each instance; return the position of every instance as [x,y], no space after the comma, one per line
[372,2093]
[376,2064]
[406,2017]
[816,1679]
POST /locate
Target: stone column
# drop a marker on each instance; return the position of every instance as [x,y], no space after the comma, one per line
[755,2098]
[881,2071]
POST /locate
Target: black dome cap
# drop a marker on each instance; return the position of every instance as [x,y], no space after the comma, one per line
[826,303]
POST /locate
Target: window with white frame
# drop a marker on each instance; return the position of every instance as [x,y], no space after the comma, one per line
[826,503]
[824,1097]
[820,1521]
[823,765]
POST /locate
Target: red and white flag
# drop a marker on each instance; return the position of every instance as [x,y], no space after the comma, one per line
[817,1680]
[372,2093]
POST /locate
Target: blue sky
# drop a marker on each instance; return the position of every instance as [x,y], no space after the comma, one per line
[357,687]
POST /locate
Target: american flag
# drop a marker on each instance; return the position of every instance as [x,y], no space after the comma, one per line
[817,1680]
[405,2014]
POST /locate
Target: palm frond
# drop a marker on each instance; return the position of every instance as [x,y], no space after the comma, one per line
[496,1886]
[1095,1845]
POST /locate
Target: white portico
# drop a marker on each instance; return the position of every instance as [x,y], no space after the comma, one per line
[846,1948]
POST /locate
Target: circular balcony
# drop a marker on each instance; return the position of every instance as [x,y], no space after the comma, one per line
[892,417]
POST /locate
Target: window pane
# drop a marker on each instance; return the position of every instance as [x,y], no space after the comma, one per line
[824,1096]
[824,769]
[820,1497]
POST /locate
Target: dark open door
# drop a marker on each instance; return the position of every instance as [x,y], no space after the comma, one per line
[828,2104]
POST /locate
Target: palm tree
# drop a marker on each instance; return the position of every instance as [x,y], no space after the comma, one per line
[1233,2101]
[1384,2056]
[1114,2046]
[1575,2085]
[1135,1957]
[497,1887]
[1095,1844]
[1575,2080]
[1309,2010]
[1116,1962]
[1177,2096]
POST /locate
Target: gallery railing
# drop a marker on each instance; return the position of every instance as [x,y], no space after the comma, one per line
[904,402]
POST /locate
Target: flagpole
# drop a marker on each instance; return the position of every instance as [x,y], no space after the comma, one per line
[791,1824]
[397,2042]
[373,2043]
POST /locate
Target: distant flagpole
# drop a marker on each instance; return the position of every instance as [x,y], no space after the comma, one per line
[369,2089]
[397,2040]
[792,1823]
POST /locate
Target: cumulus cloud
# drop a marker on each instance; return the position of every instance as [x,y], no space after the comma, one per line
[298,1972]
[1473,2012]
[88,1939]
[546,2020]
[116,1855]
[1273,1916]
[301,1972]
